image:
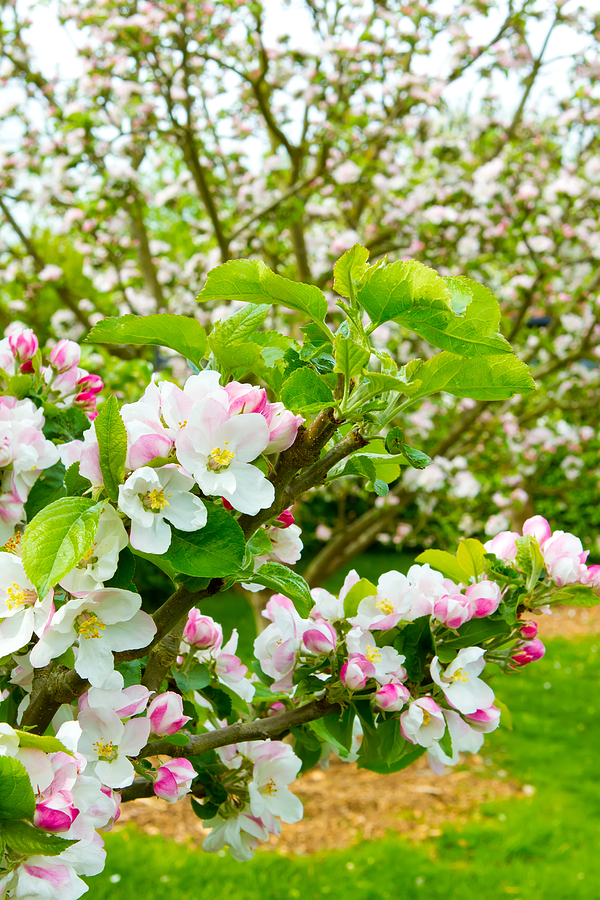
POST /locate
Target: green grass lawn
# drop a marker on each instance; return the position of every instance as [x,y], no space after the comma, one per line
[540,848]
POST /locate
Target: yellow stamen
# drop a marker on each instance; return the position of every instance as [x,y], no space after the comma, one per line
[373,654]
[270,788]
[220,459]
[90,626]
[18,597]
[13,544]
[156,500]
[106,750]
[459,675]
[426,716]
[386,606]
[87,558]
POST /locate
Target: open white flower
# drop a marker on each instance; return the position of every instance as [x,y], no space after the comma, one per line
[275,766]
[217,450]
[154,497]
[101,561]
[386,660]
[20,608]
[106,742]
[105,621]
[463,689]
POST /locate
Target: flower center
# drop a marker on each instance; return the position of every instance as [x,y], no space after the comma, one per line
[155,500]
[373,654]
[106,750]
[89,626]
[460,675]
[88,558]
[270,788]
[386,606]
[426,717]
[13,544]
[220,459]
[16,597]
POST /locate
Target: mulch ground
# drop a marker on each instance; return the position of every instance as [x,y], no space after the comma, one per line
[344,804]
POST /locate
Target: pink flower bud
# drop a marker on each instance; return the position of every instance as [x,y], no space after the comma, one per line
[24,344]
[529,630]
[320,639]
[356,671]
[166,714]
[92,383]
[226,503]
[26,367]
[276,708]
[529,652]
[591,576]
[484,598]
[202,632]
[503,545]
[173,779]
[539,528]
[453,611]
[56,813]
[244,398]
[65,355]
[87,401]
[391,697]
[283,427]
[286,518]
[484,720]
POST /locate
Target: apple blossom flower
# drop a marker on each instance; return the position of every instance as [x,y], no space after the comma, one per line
[386,661]
[503,545]
[240,833]
[125,702]
[286,518]
[154,497]
[356,671]
[423,722]
[591,576]
[46,878]
[564,558]
[453,611]
[56,813]
[65,355]
[391,697]
[21,611]
[275,766]
[528,629]
[484,720]
[24,344]
[104,621]
[539,528]
[231,671]
[102,559]
[174,779]
[463,689]
[202,632]
[217,450]
[283,427]
[484,598]
[166,714]
[321,639]
[277,648]
[106,742]
[329,607]
[463,738]
[529,652]
[147,437]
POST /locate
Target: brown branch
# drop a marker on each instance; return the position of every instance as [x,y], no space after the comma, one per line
[140,234]
[162,657]
[259,730]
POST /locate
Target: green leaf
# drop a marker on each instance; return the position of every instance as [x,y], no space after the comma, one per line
[350,357]
[416,458]
[17,800]
[392,291]
[403,762]
[235,358]
[358,592]
[471,556]
[394,441]
[359,464]
[505,714]
[380,383]
[577,595]
[283,580]
[446,742]
[131,672]
[306,390]
[48,487]
[260,543]
[474,633]
[123,577]
[27,840]
[220,699]
[44,742]
[251,280]
[349,270]
[183,334]
[195,679]
[112,446]
[215,550]
[529,559]
[178,740]
[445,563]
[485,378]
[237,328]
[57,538]
[416,643]
[204,810]
[75,483]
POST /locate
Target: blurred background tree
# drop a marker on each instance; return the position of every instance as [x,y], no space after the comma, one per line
[464,135]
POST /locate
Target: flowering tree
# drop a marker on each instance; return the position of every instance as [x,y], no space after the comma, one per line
[103,702]
[196,134]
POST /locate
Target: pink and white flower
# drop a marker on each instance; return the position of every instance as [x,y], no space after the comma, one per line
[173,779]
[460,683]
[391,697]
[423,722]
[484,598]
[21,611]
[321,639]
[386,661]
[275,766]
[106,742]
[453,611]
[102,559]
[356,671]
[528,652]
[126,702]
[166,714]
[154,497]
[202,632]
